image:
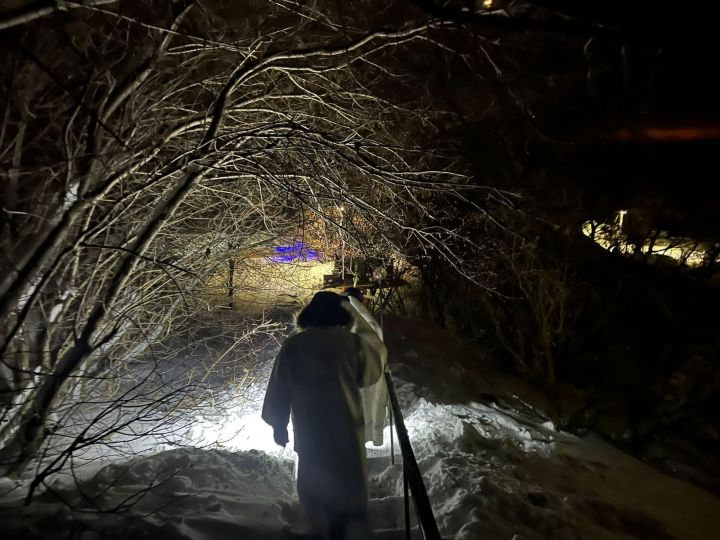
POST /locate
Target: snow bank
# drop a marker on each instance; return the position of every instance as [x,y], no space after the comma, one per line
[185,493]
[493,474]
[251,476]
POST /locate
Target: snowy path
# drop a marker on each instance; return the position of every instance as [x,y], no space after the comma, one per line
[489,476]
[492,473]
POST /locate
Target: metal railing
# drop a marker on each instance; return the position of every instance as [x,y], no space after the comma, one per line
[412,478]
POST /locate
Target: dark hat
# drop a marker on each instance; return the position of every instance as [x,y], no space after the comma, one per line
[325,309]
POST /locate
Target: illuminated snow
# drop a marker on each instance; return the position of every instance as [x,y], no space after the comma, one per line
[238,429]
[490,473]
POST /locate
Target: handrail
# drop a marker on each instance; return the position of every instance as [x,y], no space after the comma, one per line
[411,471]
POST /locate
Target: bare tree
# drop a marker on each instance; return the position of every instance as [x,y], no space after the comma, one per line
[144,148]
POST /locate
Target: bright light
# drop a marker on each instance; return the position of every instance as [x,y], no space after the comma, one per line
[238,429]
[611,237]
[621,216]
[487,4]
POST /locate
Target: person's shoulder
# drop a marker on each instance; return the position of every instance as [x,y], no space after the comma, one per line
[292,340]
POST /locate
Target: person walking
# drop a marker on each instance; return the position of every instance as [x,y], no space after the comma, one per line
[316,378]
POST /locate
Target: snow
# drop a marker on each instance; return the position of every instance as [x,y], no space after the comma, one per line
[183,493]
[237,430]
[492,472]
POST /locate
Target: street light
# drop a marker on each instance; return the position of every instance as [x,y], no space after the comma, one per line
[621,215]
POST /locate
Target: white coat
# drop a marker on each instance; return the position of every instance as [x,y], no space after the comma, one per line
[317,376]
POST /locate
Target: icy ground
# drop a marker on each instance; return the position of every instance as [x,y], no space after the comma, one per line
[492,472]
